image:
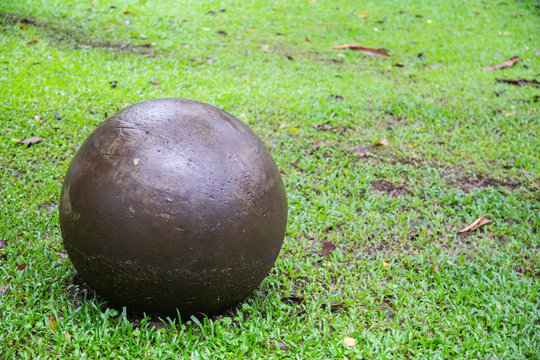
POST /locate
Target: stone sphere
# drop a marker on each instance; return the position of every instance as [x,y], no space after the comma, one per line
[172,204]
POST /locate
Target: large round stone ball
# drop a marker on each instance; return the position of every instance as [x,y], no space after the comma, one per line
[173,204]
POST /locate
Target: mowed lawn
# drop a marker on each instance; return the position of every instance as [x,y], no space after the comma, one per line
[384,159]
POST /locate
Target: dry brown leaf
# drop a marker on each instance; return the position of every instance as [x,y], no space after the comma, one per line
[327,248]
[31,140]
[508,63]
[21,267]
[364,50]
[52,322]
[481,221]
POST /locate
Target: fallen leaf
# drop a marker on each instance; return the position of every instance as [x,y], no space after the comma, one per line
[31,140]
[519,82]
[513,113]
[383,142]
[265,47]
[508,63]
[136,161]
[4,290]
[364,50]
[350,342]
[362,15]
[68,336]
[37,117]
[52,322]
[32,42]
[3,244]
[21,267]
[221,32]
[481,221]
[385,264]
[270,143]
[327,248]
[275,344]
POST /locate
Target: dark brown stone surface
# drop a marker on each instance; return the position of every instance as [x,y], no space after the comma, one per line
[173,204]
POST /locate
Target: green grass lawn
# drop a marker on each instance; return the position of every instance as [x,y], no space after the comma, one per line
[401,282]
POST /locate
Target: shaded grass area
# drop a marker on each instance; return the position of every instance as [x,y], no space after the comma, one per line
[400,281]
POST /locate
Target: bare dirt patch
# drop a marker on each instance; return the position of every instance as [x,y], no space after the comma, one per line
[72,34]
[390,189]
[468,182]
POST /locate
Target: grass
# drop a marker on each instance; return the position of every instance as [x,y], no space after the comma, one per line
[401,282]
